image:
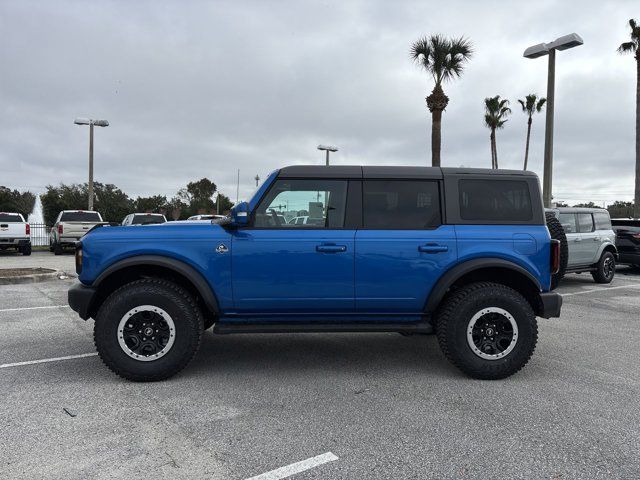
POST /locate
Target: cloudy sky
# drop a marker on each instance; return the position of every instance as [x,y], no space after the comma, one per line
[194,88]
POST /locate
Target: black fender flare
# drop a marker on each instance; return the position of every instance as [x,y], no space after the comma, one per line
[178,266]
[441,287]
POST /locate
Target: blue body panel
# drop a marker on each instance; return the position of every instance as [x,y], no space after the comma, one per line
[193,243]
[525,245]
[393,274]
[297,270]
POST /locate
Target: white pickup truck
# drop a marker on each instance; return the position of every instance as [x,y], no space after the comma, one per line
[14,233]
[71,226]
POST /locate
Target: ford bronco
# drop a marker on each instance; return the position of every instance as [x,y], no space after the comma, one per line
[462,253]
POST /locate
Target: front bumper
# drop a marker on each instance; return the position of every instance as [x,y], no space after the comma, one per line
[551,304]
[80,299]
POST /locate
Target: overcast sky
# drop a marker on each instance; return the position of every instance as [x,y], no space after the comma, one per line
[196,89]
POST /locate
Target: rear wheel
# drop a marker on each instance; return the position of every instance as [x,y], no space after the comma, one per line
[606,268]
[487,330]
[26,250]
[57,248]
[557,233]
[148,330]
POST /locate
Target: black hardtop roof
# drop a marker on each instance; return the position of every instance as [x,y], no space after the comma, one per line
[391,171]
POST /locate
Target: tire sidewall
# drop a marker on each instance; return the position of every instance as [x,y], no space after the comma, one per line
[188,329]
[602,278]
[512,303]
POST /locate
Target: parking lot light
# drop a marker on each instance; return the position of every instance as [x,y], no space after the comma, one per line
[539,50]
[91,123]
[327,148]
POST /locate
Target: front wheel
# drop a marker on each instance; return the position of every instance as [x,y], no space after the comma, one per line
[487,330]
[605,269]
[148,330]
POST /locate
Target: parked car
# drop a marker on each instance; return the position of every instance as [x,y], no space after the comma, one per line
[306,220]
[143,219]
[462,252]
[590,240]
[627,240]
[205,217]
[15,233]
[70,226]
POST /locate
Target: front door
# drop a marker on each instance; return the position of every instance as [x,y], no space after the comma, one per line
[284,266]
[402,247]
[589,246]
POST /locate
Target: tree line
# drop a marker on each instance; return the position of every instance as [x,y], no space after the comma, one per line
[114,204]
[16,202]
[444,59]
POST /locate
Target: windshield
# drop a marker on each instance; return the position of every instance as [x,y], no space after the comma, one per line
[147,219]
[10,217]
[80,217]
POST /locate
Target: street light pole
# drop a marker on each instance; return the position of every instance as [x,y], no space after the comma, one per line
[548,131]
[327,149]
[91,167]
[91,123]
[563,43]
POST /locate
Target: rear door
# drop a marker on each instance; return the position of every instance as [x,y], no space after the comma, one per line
[569,222]
[402,247]
[589,245]
[285,268]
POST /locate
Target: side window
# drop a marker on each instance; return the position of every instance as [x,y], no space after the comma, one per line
[585,222]
[322,203]
[603,221]
[568,222]
[495,200]
[401,204]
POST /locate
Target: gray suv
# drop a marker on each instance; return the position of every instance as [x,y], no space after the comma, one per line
[591,241]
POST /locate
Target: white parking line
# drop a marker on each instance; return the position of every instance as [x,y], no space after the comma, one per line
[635,285]
[31,308]
[287,471]
[46,360]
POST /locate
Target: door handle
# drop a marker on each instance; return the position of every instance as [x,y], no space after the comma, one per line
[433,248]
[331,248]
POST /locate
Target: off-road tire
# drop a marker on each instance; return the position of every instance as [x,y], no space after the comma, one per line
[605,272]
[173,299]
[57,249]
[26,250]
[557,233]
[453,319]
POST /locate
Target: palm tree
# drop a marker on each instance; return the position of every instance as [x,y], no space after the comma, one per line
[443,58]
[496,112]
[530,105]
[634,47]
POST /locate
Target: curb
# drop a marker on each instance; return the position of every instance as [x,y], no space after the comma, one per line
[35,278]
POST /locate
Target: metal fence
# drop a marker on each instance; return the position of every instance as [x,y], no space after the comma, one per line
[39,234]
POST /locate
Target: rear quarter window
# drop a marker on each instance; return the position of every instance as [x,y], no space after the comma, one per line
[495,200]
[603,221]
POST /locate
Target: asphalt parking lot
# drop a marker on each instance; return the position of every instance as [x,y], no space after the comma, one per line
[385,405]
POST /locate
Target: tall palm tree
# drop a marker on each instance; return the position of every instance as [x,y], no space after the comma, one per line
[633,47]
[496,111]
[443,58]
[530,105]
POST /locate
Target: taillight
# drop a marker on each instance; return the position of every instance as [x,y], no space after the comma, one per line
[78,258]
[555,256]
[27,229]
[60,229]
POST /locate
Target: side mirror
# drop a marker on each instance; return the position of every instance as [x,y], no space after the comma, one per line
[240,214]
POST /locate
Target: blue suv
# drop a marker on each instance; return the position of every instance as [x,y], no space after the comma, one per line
[462,253]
